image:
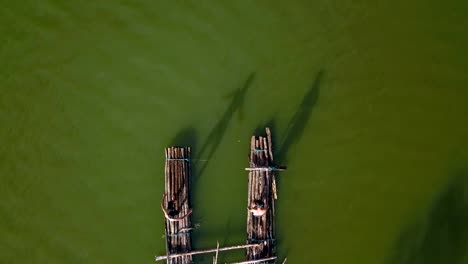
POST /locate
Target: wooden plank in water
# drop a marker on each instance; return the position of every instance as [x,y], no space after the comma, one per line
[205,251]
[264,260]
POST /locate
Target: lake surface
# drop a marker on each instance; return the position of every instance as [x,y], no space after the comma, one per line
[368,102]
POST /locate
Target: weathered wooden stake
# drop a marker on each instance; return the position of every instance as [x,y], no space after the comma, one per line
[215,258]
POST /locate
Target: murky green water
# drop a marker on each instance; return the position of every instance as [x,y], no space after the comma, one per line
[368,101]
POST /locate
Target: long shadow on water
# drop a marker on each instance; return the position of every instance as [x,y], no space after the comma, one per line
[201,158]
[293,133]
[188,137]
[442,235]
[216,135]
[299,120]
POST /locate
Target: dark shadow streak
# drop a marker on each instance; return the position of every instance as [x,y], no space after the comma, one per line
[298,122]
[185,137]
[442,235]
[292,135]
[216,135]
[201,158]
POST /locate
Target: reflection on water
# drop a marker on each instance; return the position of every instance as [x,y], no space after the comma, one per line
[442,235]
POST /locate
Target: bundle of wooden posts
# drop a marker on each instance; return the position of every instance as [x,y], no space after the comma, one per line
[261,196]
[176,204]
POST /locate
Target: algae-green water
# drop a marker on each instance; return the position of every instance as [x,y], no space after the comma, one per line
[367,100]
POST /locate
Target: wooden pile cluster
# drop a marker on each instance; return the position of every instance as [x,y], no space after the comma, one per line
[176,204]
[262,189]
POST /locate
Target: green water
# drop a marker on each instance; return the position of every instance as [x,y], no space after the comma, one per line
[368,101]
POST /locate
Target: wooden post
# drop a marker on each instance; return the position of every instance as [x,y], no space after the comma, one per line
[215,258]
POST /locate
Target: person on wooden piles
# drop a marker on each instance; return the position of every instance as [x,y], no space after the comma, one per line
[258,208]
[173,210]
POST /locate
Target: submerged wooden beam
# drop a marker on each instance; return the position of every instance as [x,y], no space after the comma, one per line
[254,261]
[205,251]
